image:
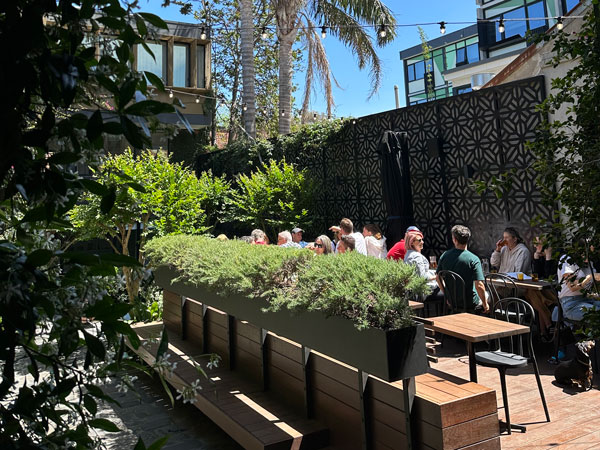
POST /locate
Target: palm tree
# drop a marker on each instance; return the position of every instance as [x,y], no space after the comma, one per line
[249,94]
[343,19]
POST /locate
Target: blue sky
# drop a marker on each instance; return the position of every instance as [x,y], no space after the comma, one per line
[351,99]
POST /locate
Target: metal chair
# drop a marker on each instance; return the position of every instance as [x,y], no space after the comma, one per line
[514,310]
[499,286]
[453,286]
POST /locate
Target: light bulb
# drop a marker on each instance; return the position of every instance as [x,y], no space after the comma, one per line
[203,33]
[382,32]
[323,32]
[244,107]
[197,99]
[559,24]
[170,93]
[282,112]
[442,27]
[264,34]
[501,26]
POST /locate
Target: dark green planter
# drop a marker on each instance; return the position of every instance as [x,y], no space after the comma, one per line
[390,355]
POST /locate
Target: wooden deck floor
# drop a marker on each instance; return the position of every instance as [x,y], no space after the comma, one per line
[575,414]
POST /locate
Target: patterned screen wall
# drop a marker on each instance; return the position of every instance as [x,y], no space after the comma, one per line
[484,132]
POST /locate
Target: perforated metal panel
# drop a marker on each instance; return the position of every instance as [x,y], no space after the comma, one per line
[486,130]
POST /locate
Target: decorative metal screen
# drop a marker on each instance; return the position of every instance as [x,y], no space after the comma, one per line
[482,134]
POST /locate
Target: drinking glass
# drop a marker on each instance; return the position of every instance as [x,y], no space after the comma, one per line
[534,277]
[520,276]
[432,262]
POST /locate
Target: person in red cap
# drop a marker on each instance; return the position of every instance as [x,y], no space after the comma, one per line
[399,249]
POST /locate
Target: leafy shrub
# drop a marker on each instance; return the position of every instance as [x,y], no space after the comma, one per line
[368,291]
[173,200]
[275,198]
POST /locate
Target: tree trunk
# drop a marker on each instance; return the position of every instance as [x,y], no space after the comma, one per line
[249,95]
[286,14]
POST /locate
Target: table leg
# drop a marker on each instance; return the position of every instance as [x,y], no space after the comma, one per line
[472,362]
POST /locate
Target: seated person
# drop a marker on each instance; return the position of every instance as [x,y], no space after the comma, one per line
[284,239]
[512,255]
[468,266]
[543,262]
[414,246]
[346,244]
[573,280]
[321,246]
[398,250]
[297,237]
[258,237]
[375,241]
[346,228]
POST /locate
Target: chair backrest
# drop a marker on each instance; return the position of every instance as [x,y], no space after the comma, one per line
[499,286]
[515,310]
[453,286]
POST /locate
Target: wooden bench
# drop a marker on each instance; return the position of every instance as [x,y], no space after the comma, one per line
[254,418]
[448,412]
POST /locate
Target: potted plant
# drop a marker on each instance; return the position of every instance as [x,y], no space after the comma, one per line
[349,307]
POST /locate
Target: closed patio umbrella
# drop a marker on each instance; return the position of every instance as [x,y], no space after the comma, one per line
[395,182]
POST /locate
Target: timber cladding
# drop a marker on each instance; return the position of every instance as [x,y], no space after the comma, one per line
[449,412]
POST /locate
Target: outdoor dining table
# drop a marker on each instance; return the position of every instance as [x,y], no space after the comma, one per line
[525,284]
[472,328]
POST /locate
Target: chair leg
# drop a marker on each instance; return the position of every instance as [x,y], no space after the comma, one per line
[539,383]
[505,398]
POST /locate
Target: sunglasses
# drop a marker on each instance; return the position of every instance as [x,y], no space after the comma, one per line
[318,245]
[419,240]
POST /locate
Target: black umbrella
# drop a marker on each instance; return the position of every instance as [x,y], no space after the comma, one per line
[395,181]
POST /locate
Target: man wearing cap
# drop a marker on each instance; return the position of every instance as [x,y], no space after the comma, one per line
[346,228]
[399,250]
[297,237]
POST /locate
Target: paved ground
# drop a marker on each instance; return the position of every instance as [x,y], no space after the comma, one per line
[150,415]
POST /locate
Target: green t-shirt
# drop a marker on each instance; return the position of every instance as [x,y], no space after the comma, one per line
[468,266]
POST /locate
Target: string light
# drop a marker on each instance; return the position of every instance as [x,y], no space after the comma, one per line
[559,23]
[170,93]
[282,112]
[501,26]
[203,33]
[264,34]
[382,32]
[353,121]
[442,27]
[197,99]
[323,32]
[315,116]
[244,107]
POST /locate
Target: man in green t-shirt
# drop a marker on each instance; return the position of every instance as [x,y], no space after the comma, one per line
[467,265]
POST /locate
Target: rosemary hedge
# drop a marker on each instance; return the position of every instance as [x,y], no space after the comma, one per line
[368,291]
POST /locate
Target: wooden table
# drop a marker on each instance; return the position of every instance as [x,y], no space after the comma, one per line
[415,305]
[471,329]
[525,284]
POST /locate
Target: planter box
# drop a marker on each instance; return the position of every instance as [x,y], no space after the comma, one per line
[390,355]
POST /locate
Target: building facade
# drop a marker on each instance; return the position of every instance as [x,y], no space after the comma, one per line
[468,58]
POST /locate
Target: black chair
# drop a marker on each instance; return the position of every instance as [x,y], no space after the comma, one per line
[453,285]
[514,310]
[499,286]
[563,332]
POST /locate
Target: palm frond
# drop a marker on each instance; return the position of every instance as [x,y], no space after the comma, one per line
[369,12]
[352,35]
[317,63]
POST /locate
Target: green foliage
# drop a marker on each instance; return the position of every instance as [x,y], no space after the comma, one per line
[567,145]
[309,142]
[46,290]
[368,291]
[172,201]
[275,198]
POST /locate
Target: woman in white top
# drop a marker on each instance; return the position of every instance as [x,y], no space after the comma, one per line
[374,241]
[573,280]
[414,247]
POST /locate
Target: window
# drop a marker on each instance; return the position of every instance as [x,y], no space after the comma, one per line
[461,56]
[157,64]
[200,78]
[473,53]
[462,90]
[536,10]
[181,70]
[416,71]
[569,5]
[515,27]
